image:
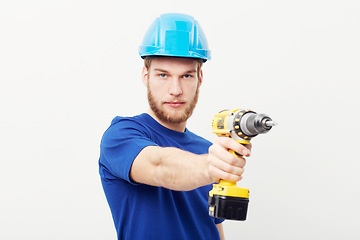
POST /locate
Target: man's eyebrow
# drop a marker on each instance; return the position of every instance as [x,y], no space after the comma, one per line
[165,71]
[160,70]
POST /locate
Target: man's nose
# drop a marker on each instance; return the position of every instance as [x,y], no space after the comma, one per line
[175,87]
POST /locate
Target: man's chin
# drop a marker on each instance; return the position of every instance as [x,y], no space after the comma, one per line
[173,115]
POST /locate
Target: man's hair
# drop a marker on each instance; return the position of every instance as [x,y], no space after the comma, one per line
[147,64]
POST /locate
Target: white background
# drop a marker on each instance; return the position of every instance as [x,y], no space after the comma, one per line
[68,67]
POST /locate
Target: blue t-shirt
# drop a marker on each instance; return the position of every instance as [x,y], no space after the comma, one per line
[146,212]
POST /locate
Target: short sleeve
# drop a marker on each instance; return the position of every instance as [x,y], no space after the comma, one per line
[120,145]
[218,220]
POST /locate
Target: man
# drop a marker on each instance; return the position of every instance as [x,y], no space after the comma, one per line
[156,174]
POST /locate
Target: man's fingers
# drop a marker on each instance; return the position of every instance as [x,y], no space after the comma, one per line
[236,167]
[224,164]
[230,143]
[213,171]
[225,156]
[249,147]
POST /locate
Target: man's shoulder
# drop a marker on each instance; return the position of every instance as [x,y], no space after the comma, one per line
[197,144]
[120,124]
[137,119]
[196,136]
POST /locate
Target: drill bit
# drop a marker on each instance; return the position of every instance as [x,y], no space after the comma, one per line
[270,123]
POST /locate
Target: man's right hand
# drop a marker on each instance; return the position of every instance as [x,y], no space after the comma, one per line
[224,165]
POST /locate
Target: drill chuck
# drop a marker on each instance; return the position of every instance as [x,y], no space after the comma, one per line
[254,124]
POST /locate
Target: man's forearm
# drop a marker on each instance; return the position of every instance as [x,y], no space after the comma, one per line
[221,231]
[181,170]
[171,168]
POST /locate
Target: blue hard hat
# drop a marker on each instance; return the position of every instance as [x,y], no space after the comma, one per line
[175,35]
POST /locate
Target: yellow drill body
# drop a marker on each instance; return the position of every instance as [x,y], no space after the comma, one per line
[226,200]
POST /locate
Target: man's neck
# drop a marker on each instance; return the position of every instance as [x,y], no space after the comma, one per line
[178,127]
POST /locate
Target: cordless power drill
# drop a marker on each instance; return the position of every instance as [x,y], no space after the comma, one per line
[226,200]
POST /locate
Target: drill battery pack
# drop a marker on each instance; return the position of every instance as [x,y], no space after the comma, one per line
[225,207]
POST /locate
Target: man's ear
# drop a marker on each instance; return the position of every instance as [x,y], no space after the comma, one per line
[200,77]
[145,76]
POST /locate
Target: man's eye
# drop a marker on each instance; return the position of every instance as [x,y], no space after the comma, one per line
[162,75]
[187,76]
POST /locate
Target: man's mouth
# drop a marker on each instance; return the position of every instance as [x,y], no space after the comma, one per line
[174,104]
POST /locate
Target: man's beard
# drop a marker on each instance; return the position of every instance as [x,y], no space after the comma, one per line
[165,116]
